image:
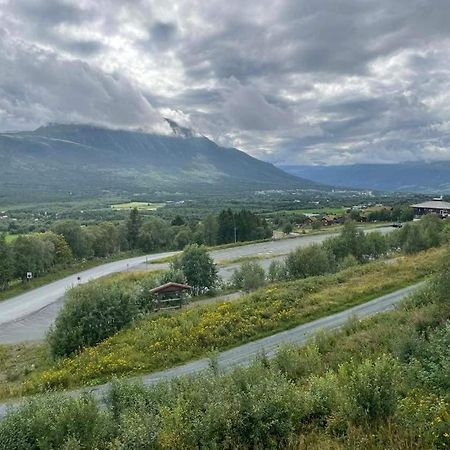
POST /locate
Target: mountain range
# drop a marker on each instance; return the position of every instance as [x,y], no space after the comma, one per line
[420,176]
[88,160]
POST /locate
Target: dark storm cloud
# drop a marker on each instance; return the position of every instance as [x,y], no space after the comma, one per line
[288,80]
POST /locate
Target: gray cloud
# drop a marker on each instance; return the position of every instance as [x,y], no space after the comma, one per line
[41,87]
[82,47]
[48,12]
[163,33]
[246,108]
[286,80]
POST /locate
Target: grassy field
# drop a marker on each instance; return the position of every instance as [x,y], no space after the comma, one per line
[165,260]
[166,340]
[336,211]
[9,238]
[142,206]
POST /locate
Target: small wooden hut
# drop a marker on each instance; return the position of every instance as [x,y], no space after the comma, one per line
[170,295]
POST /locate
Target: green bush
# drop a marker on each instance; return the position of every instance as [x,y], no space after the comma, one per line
[309,261]
[136,430]
[426,233]
[54,422]
[426,417]
[441,283]
[432,362]
[351,241]
[90,314]
[297,363]
[371,389]
[323,398]
[249,276]
[375,245]
[277,271]
[348,261]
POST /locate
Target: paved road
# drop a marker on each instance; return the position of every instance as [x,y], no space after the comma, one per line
[28,316]
[245,354]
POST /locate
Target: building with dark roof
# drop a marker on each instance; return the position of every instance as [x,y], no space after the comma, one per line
[438,207]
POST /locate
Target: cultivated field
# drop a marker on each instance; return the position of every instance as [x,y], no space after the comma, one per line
[142,206]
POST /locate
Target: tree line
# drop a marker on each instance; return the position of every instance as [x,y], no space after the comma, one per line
[351,247]
[68,241]
[287,220]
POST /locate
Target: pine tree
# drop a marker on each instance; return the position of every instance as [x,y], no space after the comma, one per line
[133,227]
[226,230]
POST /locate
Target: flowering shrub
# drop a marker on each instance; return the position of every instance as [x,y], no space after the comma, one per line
[427,417]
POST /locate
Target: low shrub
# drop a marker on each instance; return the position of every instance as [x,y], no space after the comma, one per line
[277,271]
[56,421]
[371,389]
[94,312]
[309,261]
[249,276]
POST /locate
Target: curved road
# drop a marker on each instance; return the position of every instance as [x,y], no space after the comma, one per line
[245,354]
[28,316]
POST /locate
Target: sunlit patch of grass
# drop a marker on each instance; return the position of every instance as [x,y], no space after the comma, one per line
[9,238]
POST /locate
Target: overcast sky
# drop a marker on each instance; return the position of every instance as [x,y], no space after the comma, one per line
[288,81]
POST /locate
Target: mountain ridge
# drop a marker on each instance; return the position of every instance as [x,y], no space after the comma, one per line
[415,176]
[89,160]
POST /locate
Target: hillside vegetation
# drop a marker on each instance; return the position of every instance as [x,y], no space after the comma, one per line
[93,313]
[378,383]
[165,340]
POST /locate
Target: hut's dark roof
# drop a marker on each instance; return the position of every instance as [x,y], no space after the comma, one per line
[171,287]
